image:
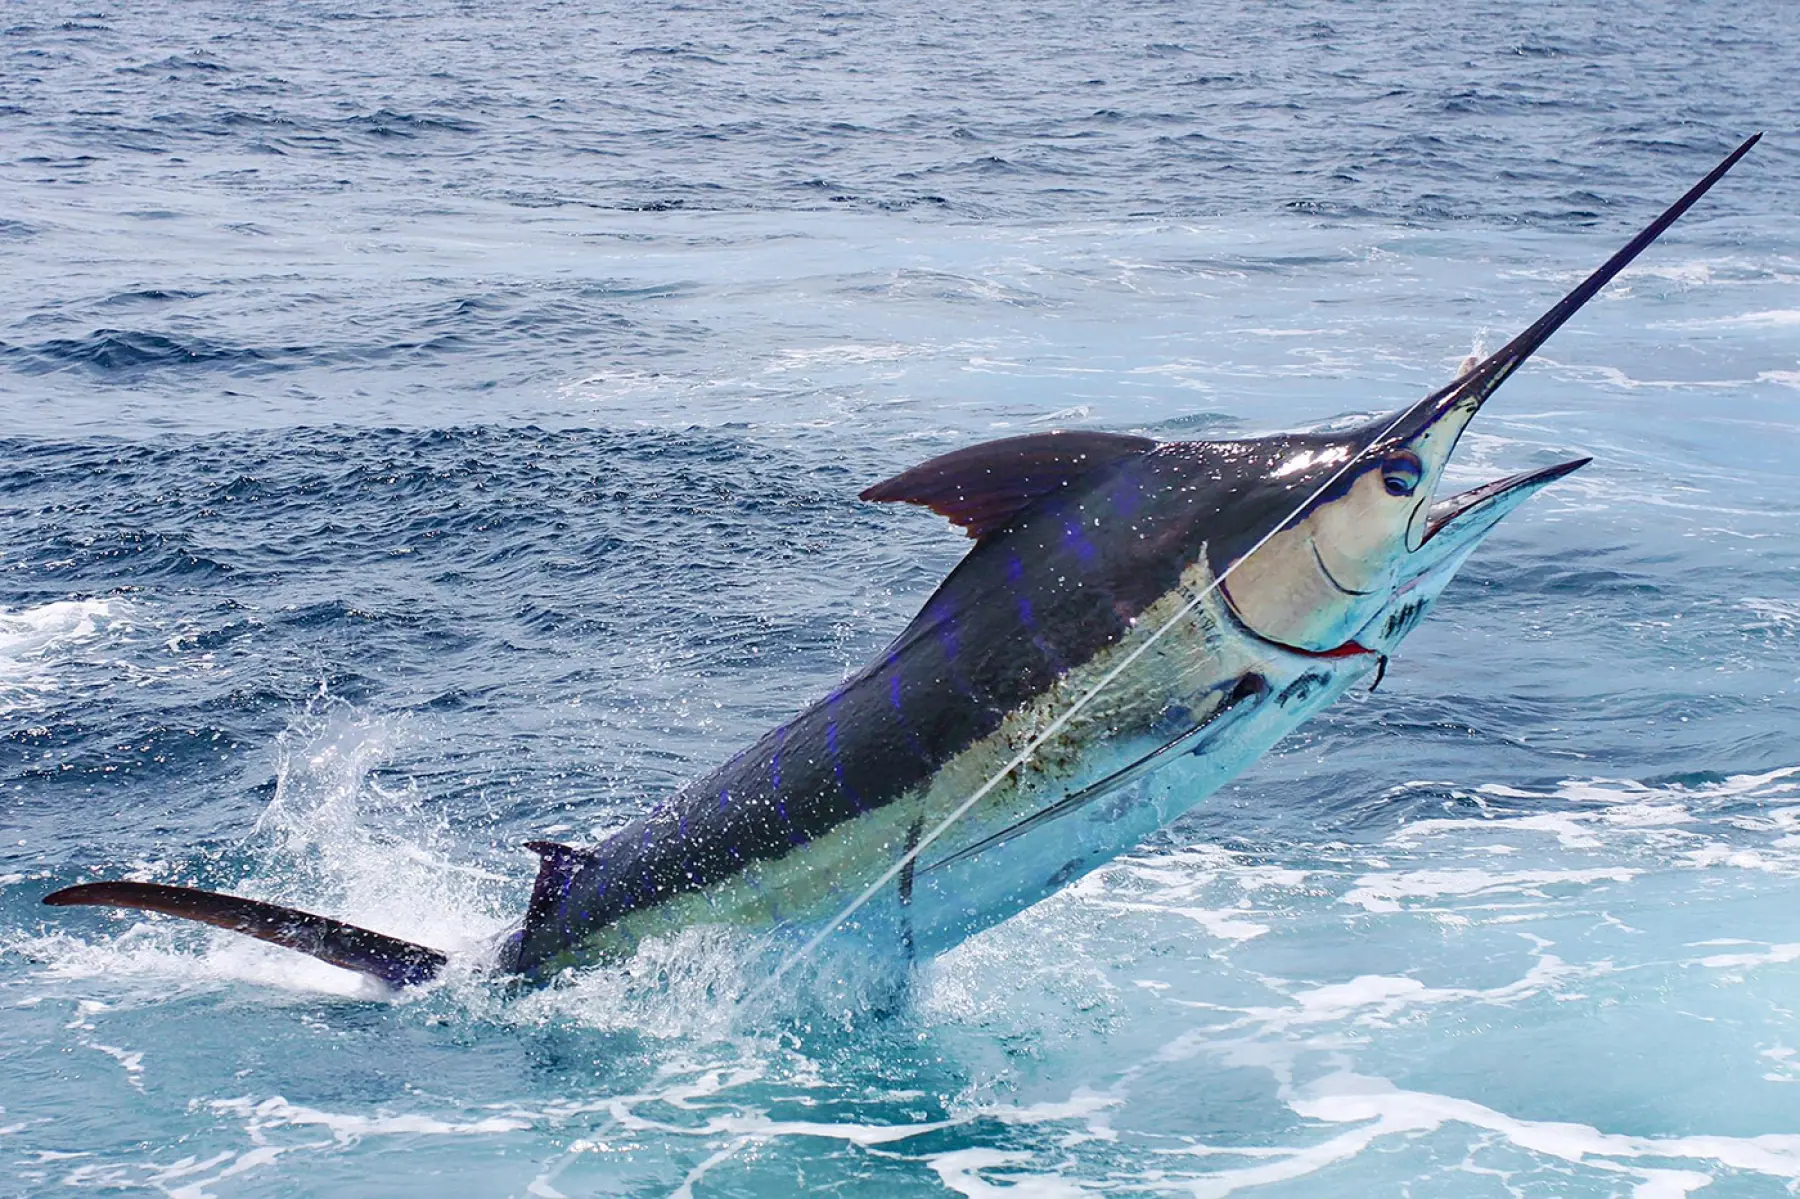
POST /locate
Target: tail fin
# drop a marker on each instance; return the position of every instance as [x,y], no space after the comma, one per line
[393,961]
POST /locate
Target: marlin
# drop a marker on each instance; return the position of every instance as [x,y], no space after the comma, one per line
[1137,622]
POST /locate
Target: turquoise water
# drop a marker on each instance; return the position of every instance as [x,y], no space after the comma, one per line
[430,429]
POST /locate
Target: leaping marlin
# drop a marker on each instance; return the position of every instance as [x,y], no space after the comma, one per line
[1136,623]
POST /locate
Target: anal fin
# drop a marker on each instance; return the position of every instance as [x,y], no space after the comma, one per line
[557,867]
[392,961]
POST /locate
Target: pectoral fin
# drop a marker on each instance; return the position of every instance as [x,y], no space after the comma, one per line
[1242,700]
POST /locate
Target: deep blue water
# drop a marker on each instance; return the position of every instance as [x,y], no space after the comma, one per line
[430,428]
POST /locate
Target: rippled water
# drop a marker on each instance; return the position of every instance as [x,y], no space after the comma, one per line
[433,428]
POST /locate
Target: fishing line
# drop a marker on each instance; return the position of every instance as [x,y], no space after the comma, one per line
[1061,722]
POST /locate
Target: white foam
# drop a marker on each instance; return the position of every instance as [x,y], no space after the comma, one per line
[1671,819]
[36,642]
[1088,1106]
[1693,273]
[178,1179]
[1773,318]
[27,633]
[848,354]
[1374,1000]
[1780,613]
[1774,954]
[260,1115]
[1226,925]
[617,383]
[1386,892]
[131,1060]
[959,1170]
[1350,1098]
[1062,416]
[1378,1109]
[1786,1063]
[761,1127]
[1612,376]
[1737,858]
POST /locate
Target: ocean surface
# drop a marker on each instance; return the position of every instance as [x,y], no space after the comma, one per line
[429,427]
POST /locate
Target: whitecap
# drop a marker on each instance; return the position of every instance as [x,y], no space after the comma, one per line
[38,644]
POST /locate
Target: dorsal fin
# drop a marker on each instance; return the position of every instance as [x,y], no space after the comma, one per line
[983,487]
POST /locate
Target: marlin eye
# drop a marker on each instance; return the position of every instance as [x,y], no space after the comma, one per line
[1401,472]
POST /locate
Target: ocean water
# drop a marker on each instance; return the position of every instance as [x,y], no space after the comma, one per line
[430,427]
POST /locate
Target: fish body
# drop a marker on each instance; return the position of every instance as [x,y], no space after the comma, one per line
[1136,623]
[785,834]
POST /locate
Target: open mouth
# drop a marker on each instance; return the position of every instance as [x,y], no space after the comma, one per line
[1451,509]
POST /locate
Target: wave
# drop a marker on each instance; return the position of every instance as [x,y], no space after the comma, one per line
[127,351]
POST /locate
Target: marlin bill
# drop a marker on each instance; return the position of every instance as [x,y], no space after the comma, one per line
[1135,624]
